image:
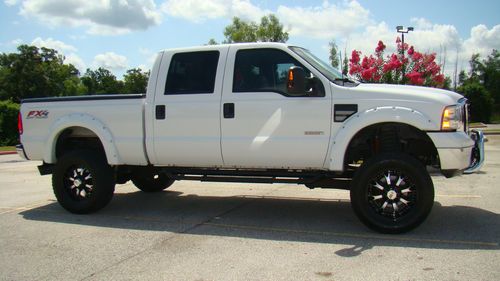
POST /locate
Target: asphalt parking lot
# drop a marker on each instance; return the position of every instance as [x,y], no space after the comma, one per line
[213,231]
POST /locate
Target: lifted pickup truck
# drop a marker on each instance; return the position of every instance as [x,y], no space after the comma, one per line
[257,113]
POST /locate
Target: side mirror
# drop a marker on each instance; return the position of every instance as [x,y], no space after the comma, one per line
[296,81]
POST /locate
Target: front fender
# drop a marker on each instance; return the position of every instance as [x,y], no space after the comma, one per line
[80,120]
[355,123]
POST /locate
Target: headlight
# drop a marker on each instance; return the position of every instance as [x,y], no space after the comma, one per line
[452,118]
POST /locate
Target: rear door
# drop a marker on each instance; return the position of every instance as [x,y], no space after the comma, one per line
[262,125]
[187,108]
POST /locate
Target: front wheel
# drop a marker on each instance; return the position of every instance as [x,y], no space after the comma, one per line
[83,182]
[392,193]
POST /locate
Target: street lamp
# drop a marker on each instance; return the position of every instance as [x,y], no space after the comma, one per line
[402,30]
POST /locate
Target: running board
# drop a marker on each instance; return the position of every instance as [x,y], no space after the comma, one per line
[313,182]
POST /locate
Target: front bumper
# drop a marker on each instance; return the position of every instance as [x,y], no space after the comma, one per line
[459,152]
[477,155]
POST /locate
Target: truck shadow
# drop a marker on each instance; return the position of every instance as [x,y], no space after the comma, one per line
[282,219]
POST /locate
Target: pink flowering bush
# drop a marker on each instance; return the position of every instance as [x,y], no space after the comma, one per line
[420,69]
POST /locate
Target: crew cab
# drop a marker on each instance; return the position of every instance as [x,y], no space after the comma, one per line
[256,113]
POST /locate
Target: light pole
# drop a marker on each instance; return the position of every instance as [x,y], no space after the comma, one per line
[402,30]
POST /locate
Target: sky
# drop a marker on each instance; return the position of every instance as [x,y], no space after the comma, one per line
[124,34]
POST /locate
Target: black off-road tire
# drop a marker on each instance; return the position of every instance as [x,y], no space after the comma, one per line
[409,187]
[83,182]
[150,180]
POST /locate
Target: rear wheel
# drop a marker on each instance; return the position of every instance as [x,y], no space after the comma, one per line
[83,182]
[392,193]
[151,180]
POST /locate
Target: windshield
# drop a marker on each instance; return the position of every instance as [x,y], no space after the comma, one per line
[330,72]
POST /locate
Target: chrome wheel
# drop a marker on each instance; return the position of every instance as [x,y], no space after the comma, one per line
[79,183]
[391,194]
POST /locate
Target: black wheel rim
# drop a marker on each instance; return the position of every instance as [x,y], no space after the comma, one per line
[79,183]
[392,194]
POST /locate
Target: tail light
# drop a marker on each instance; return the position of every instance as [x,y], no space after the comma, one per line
[20,123]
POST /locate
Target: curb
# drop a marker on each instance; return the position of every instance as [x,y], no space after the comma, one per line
[7,152]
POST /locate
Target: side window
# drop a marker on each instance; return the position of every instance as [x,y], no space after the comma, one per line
[262,70]
[192,73]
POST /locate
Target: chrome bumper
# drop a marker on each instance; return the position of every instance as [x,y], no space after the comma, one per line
[477,155]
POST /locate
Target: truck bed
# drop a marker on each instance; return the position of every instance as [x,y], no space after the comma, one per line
[117,117]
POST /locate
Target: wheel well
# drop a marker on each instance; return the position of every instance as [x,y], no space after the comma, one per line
[77,138]
[390,137]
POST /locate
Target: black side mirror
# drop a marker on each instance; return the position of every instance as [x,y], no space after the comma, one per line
[296,81]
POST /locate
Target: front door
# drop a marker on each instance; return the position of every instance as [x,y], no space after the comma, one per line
[262,125]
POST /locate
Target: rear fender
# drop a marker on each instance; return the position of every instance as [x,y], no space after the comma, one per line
[80,120]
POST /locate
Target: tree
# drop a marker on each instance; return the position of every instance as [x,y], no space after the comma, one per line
[36,72]
[212,42]
[334,58]
[101,81]
[345,64]
[491,75]
[482,86]
[240,31]
[481,103]
[8,123]
[421,68]
[269,30]
[135,81]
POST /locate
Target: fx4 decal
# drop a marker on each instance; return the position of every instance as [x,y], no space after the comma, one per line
[38,114]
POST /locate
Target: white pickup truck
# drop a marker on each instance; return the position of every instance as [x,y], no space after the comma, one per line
[257,113]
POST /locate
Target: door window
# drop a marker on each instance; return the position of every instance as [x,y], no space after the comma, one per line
[263,70]
[192,73]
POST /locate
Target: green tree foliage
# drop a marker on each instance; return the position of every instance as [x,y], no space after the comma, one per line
[491,75]
[135,81]
[212,42]
[480,100]
[334,57]
[36,72]
[482,86]
[8,123]
[269,30]
[345,64]
[101,81]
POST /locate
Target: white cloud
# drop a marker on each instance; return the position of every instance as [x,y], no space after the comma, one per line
[68,51]
[75,60]
[111,61]
[195,10]
[53,44]
[246,10]
[104,17]
[366,41]
[326,21]
[10,2]
[201,10]
[17,41]
[482,40]
[149,57]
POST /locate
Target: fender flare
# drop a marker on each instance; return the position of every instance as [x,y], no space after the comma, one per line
[373,116]
[85,121]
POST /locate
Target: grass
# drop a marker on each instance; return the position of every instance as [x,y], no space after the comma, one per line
[7,148]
